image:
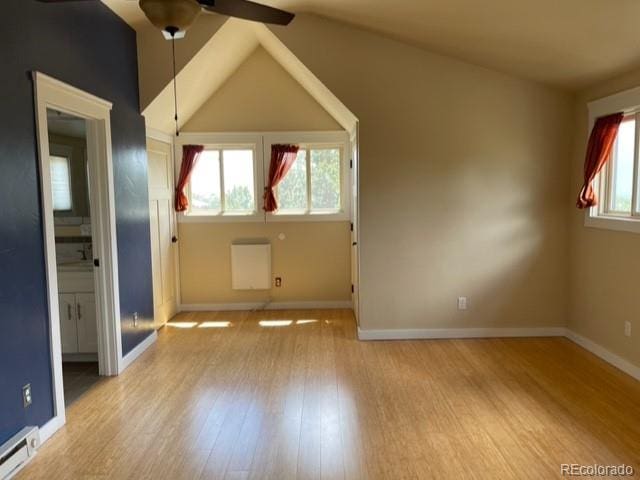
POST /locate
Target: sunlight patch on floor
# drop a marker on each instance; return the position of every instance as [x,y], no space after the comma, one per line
[275,323]
[220,324]
[182,324]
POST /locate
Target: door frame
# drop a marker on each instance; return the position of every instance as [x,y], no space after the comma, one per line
[354,190]
[54,94]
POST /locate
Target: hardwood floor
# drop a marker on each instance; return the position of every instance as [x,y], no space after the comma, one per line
[307,400]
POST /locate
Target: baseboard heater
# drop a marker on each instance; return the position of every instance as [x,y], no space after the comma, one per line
[251,265]
[18,451]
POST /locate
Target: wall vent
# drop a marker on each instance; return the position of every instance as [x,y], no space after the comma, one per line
[18,451]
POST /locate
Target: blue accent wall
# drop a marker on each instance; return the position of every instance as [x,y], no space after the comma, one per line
[87,46]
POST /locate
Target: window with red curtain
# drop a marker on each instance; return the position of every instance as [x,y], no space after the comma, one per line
[190,155]
[599,149]
[282,158]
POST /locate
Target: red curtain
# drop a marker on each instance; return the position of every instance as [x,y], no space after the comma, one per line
[601,141]
[190,155]
[282,158]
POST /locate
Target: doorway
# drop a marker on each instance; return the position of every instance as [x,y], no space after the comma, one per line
[78,210]
[71,203]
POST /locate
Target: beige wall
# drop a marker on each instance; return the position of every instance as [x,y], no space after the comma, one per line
[464,177]
[604,263]
[261,96]
[313,261]
[314,258]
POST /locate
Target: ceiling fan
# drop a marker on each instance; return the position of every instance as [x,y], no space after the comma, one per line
[174,17]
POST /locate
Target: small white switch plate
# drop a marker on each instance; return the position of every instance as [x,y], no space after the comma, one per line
[26,395]
[627,328]
[462,303]
[135,319]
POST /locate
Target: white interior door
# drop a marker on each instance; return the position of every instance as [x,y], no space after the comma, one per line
[163,234]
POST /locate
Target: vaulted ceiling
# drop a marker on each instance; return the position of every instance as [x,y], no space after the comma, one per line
[565,43]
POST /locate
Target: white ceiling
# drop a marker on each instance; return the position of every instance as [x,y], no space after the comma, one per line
[567,43]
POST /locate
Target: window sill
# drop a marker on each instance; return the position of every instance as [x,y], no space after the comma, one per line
[620,224]
[228,218]
[261,218]
[309,217]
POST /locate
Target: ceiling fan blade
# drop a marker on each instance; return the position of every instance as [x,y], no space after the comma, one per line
[248,10]
[63,1]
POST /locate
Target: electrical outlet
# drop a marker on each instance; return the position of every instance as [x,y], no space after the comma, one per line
[26,395]
[462,303]
[135,319]
[278,282]
[627,328]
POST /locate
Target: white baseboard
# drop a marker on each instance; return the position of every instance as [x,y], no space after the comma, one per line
[442,333]
[130,357]
[227,307]
[51,427]
[606,355]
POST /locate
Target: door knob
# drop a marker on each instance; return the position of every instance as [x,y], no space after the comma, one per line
[174,239]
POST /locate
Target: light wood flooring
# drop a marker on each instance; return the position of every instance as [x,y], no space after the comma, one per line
[307,400]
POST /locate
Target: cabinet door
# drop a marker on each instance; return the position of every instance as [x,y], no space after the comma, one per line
[87,323]
[68,327]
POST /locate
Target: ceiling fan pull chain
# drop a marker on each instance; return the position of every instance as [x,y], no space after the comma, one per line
[175,81]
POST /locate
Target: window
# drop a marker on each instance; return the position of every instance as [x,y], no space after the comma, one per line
[617,183]
[228,180]
[313,185]
[61,183]
[223,183]
[292,193]
[618,186]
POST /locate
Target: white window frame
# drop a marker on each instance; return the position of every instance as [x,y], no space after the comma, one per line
[64,151]
[314,140]
[224,142]
[262,158]
[599,216]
